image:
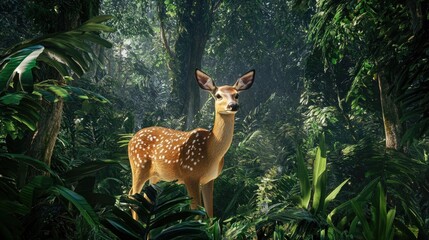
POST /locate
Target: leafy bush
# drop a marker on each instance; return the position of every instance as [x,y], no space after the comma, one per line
[163,213]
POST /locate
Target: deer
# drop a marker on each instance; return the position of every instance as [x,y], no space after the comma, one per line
[193,158]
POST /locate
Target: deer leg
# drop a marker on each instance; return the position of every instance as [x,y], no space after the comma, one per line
[153,180]
[139,179]
[208,197]
[193,188]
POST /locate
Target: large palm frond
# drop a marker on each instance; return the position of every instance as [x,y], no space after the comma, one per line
[63,51]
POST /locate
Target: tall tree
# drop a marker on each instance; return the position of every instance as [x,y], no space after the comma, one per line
[382,36]
[193,25]
[50,17]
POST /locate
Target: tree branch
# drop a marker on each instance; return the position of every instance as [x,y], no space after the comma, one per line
[215,5]
[162,16]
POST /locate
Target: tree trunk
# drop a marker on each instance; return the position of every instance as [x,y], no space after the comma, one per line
[195,20]
[40,145]
[393,127]
[43,140]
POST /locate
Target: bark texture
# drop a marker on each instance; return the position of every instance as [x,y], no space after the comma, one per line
[44,139]
[393,127]
[70,14]
[194,26]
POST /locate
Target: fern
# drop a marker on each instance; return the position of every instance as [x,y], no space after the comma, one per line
[163,214]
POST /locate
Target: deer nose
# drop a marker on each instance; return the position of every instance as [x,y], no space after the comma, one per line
[232,106]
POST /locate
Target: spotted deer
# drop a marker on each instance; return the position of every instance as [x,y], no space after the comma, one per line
[194,158]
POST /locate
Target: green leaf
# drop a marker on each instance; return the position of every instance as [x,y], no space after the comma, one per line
[334,193]
[381,215]
[72,49]
[37,164]
[20,62]
[126,217]
[80,203]
[87,169]
[216,230]
[40,183]
[364,195]
[13,207]
[390,229]
[319,193]
[122,228]
[12,99]
[69,50]
[185,230]
[169,203]
[60,67]
[49,96]
[66,59]
[367,191]
[401,227]
[59,91]
[164,220]
[367,231]
[304,182]
[26,121]
[151,192]
[139,204]
[319,166]
[91,26]
[98,40]
[99,19]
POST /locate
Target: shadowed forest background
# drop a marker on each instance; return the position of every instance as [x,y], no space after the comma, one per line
[331,142]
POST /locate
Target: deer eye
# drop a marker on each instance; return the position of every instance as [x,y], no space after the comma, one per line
[218,96]
[236,96]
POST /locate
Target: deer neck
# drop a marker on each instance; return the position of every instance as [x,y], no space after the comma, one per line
[221,137]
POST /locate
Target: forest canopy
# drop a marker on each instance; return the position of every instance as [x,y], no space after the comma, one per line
[331,141]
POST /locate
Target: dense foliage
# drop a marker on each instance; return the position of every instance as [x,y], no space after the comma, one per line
[331,142]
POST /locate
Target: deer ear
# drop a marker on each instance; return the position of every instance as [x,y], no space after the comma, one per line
[204,81]
[245,81]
